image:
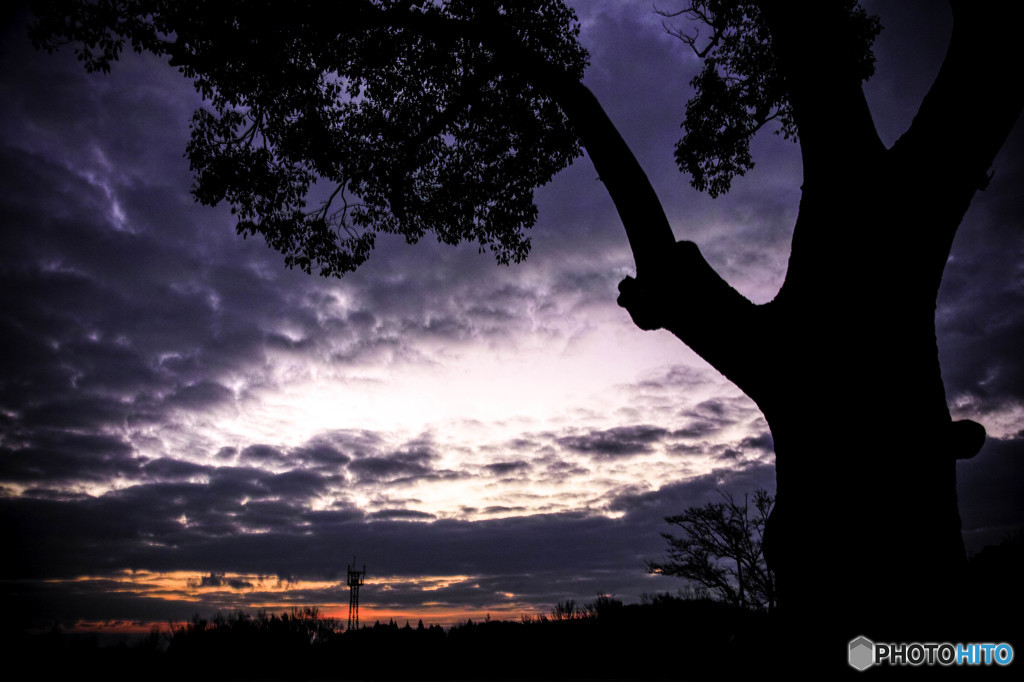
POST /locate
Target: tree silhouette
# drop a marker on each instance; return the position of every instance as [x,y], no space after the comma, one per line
[721,549]
[333,121]
[568,610]
[330,122]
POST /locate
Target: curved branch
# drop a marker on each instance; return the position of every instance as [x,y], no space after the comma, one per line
[968,113]
[976,92]
[675,288]
[638,206]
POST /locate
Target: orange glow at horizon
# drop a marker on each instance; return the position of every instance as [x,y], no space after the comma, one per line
[228,593]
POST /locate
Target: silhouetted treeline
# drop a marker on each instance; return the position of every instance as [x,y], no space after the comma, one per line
[666,637]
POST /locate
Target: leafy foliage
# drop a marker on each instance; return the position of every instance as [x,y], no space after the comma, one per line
[330,122]
[720,549]
[740,88]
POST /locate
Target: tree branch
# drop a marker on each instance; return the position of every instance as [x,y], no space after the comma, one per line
[636,202]
[820,55]
[966,116]
[675,288]
[695,14]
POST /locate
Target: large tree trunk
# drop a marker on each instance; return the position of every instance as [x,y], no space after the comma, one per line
[865,537]
[866,518]
[866,531]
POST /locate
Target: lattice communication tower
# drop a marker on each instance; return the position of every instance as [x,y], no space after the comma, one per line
[355,581]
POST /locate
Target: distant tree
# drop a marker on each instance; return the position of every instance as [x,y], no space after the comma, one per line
[568,610]
[720,550]
[604,606]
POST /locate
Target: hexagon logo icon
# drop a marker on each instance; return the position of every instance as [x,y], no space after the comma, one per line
[862,653]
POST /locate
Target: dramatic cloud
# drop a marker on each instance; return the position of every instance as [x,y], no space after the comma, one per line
[622,441]
[185,425]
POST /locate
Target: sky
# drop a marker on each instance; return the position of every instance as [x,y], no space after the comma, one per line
[186,426]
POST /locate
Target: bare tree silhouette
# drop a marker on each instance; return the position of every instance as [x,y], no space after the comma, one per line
[720,549]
